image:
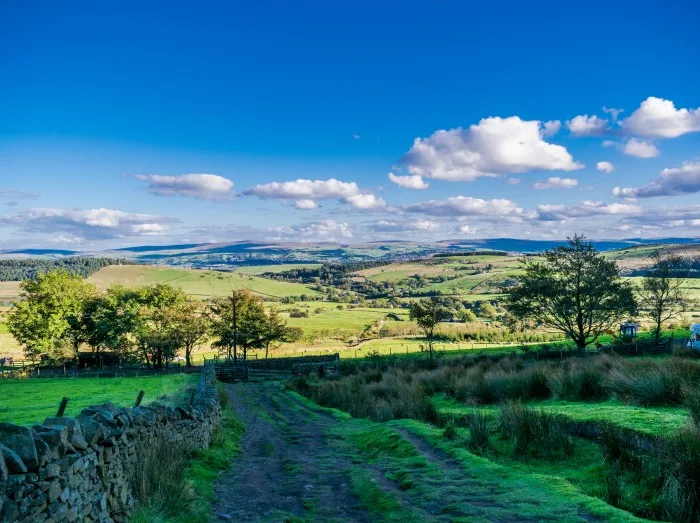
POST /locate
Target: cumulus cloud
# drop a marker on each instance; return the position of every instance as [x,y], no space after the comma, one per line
[635,147]
[605,167]
[311,190]
[640,149]
[409,182]
[492,147]
[556,182]
[671,182]
[584,125]
[404,226]
[324,230]
[551,128]
[558,212]
[305,205]
[88,224]
[465,206]
[657,117]
[200,186]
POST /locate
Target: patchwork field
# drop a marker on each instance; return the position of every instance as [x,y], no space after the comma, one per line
[194,282]
[29,401]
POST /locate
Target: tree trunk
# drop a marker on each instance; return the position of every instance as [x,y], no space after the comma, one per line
[188,356]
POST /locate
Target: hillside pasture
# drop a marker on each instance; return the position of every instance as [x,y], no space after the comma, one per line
[194,282]
[29,401]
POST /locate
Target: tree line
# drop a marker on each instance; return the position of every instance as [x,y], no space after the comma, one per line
[575,290]
[17,269]
[59,313]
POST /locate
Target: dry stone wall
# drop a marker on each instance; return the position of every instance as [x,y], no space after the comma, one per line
[84,468]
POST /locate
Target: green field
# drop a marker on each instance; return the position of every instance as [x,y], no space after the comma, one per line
[198,283]
[29,401]
[260,269]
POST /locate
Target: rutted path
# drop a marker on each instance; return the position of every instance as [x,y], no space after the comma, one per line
[286,467]
[303,464]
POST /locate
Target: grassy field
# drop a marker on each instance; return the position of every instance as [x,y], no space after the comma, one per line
[198,283]
[25,402]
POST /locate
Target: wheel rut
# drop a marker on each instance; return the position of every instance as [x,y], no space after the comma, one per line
[287,467]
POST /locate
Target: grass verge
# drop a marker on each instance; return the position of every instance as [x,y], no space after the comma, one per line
[187,497]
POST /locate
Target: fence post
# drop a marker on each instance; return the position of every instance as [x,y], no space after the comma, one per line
[62,407]
[139,398]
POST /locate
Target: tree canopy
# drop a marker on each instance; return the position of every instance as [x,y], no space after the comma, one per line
[574,289]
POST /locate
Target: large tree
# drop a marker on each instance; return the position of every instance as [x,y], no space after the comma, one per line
[237,323]
[276,331]
[574,289]
[191,326]
[46,319]
[428,313]
[662,294]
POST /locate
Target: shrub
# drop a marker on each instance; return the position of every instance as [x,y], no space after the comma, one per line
[450,431]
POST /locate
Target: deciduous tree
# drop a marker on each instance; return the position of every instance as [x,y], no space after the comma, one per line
[574,289]
[428,313]
[662,294]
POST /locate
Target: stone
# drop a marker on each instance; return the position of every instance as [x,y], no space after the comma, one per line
[57,440]
[20,440]
[54,490]
[50,471]
[43,451]
[4,472]
[75,432]
[9,511]
[14,463]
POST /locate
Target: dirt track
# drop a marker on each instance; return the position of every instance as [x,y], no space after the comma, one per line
[286,467]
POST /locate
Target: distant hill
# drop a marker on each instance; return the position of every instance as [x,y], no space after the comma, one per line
[225,256]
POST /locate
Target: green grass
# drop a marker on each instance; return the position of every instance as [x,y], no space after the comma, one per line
[396,481]
[260,269]
[203,471]
[197,282]
[30,401]
[651,420]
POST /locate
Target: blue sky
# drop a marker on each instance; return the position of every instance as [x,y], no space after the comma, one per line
[111,114]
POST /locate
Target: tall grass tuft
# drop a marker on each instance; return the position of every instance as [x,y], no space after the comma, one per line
[159,479]
[533,433]
[691,401]
[478,440]
[681,486]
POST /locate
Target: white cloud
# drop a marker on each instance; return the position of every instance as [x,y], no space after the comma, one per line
[409,182]
[493,146]
[555,182]
[404,226]
[640,149]
[513,181]
[584,125]
[465,206]
[605,167]
[551,128]
[671,182]
[305,205]
[332,189]
[365,201]
[657,117]
[356,136]
[324,230]
[635,147]
[586,209]
[614,113]
[466,229]
[200,186]
[88,224]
